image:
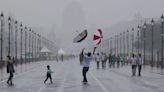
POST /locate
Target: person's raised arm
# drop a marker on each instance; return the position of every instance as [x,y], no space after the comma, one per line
[94,50]
[82,52]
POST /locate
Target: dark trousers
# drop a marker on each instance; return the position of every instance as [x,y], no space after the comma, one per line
[48,77]
[98,64]
[9,81]
[85,70]
[139,70]
[134,70]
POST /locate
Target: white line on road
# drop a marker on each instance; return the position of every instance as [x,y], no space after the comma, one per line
[41,88]
[99,83]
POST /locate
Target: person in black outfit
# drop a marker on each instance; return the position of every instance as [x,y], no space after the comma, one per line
[10,70]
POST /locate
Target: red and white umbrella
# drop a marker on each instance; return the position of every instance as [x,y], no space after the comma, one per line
[97,37]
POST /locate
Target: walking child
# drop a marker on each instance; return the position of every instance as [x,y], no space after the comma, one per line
[49,72]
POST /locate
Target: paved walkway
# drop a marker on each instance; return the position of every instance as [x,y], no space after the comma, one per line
[67,78]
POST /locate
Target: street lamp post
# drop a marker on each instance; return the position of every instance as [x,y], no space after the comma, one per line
[29,45]
[117,43]
[16,34]
[2,24]
[25,48]
[21,30]
[162,34]
[123,48]
[144,41]
[152,58]
[35,46]
[115,48]
[9,23]
[111,45]
[127,45]
[138,38]
[32,45]
[120,44]
[132,40]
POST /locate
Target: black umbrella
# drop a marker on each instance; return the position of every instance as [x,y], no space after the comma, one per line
[80,37]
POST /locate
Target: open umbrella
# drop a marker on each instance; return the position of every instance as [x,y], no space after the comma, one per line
[98,36]
[80,37]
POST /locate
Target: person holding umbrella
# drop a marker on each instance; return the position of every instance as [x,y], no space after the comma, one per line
[87,58]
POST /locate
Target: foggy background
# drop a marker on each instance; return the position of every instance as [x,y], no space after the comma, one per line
[58,20]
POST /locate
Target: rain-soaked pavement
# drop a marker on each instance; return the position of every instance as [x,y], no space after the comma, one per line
[67,77]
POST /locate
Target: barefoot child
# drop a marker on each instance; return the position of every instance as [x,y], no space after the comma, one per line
[48,74]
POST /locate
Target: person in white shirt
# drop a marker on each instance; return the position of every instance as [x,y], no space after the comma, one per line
[134,64]
[87,58]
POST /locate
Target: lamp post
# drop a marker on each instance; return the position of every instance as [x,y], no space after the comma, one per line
[123,48]
[9,23]
[120,44]
[144,41]
[162,34]
[2,24]
[16,34]
[111,45]
[32,45]
[117,43]
[132,40]
[152,58]
[127,44]
[138,30]
[35,47]
[21,30]
[115,48]
[29,45]
[25,47]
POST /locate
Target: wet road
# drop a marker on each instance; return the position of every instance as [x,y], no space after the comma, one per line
[67,77]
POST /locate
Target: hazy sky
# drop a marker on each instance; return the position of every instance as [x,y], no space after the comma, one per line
[97,13]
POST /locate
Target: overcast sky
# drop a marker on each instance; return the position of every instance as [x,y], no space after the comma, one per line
[100,13]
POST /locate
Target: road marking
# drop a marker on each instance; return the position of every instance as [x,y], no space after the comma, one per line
[41,88]
[99,83]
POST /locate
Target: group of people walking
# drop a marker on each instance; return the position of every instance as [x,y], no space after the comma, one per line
[136,61]
[86,58]
[101,58]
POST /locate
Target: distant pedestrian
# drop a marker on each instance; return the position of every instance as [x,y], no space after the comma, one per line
[98,59]
[10,70]
[140,62]
[118,61]
[49,72]
[103,60]
[110,60]
[134,64]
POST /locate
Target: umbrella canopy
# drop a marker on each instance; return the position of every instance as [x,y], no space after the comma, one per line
[97,37]
[80,37]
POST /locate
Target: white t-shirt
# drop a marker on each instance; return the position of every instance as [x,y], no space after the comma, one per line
[134,61]
[98,59]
